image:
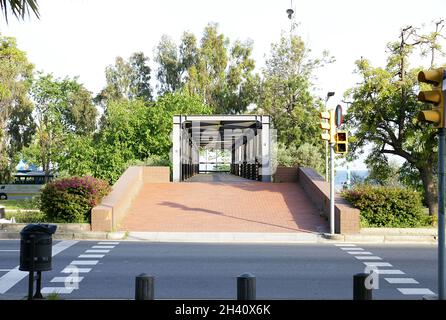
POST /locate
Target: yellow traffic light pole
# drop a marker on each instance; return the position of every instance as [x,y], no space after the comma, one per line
[437,77]
[329,127]
[330,120]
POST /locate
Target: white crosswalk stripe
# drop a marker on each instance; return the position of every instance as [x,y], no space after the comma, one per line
[401,280]
[361,252]
[415,291]
[368,258]
[74,269]
[69,279]
[377,264]
[91,256]
[84,262]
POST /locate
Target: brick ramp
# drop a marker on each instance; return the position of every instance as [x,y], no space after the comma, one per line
[223,207]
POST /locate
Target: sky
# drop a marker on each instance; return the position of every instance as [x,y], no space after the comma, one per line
[82,37]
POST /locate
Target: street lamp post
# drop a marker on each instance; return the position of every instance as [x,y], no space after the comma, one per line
[329,94]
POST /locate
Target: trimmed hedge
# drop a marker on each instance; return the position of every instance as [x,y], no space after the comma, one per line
[71,199]
[382,206]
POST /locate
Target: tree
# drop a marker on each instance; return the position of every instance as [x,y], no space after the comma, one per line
[127,80]
[285,92]
[132,131]
[62,107]
[305,155]
[161,118]
[169,72]
[242,86]
[222,75]
[383,112]
[19,8]
[16,122]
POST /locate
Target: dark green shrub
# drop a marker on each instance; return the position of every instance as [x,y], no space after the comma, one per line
[388,206]
[21,216]
[71,199]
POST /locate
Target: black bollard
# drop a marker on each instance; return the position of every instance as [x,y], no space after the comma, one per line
[360,291]
[144,287]
[246,287]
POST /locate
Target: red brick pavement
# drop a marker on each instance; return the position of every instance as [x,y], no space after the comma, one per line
[223,207]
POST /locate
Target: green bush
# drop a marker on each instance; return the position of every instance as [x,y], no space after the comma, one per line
[382,206]
[26,216]
[71,199]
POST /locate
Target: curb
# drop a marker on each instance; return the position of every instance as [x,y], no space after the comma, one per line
[223,237]
[233,237]
[89,235]
[381,238]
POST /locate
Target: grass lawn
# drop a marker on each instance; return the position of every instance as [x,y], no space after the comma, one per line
[21,204]
[23,216]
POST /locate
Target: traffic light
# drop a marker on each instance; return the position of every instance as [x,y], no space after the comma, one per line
[435,77]
[328,126]
[341,146]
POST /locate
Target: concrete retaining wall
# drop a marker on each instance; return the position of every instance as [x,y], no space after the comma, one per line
[286,174]
[108,214]
[346,217]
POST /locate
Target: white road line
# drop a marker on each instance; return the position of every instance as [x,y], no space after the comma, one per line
[108,242]
[61,246]
[9,250]
[377,264]
[347,249]
[368,258]
[74,269]
[5,270]
[97,251]
[361,252]
[61,290]
[84,262]
[388,271]
[103,247]
[91,256]
[401,280]
[345,245]
[11,278]
[69,279]
[415,291]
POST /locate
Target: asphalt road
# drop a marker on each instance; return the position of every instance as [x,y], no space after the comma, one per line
[209,271]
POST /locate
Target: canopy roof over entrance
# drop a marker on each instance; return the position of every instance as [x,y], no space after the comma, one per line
[246,136]
[219,131]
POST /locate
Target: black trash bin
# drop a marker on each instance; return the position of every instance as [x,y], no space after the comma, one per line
[36,241]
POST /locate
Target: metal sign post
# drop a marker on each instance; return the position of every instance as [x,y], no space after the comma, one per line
[441,211]
[332,224]
[441,199]
[338,121]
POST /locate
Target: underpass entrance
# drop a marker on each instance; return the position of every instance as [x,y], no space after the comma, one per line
[237,144]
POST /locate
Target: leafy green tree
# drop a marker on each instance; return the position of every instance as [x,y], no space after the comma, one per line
[134,132]
[79,153]
[384,110]
[242,86]
[19,8]
[16,122]
[384,172]
[62,107]
[286,93]
[222,75]
[127,80]
[161,118]
[306,155]
[169,72]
